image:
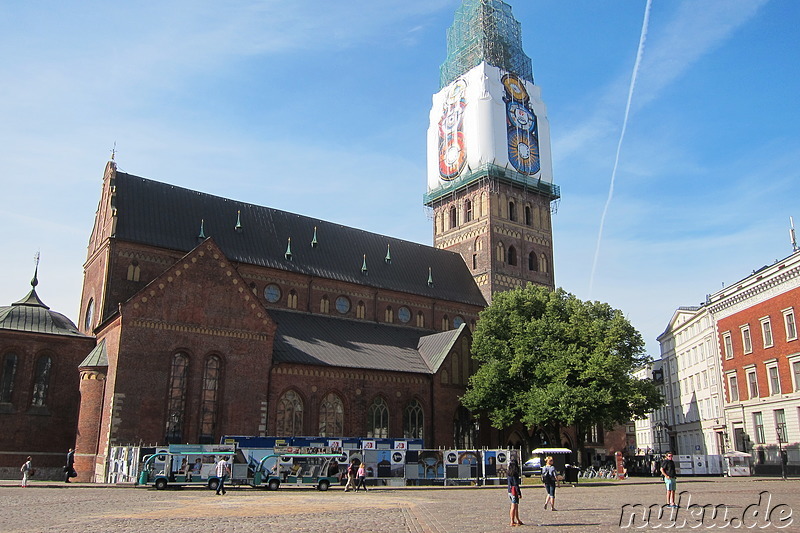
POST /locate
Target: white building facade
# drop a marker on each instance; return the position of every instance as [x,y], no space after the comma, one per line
[694,411]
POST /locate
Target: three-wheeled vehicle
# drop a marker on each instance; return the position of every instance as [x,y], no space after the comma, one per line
[182,465]
[319,470]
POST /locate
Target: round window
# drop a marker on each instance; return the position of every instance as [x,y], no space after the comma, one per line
[272,293]
[403,314]
[342,304]
[457,321]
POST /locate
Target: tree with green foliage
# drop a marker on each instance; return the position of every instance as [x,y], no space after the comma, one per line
[549,360]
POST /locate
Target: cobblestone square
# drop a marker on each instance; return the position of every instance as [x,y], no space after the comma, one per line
[588,507]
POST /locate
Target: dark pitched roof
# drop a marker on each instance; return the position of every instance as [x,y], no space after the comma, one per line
[97,357]
[434,348]
[31,315]
[167,216]
[309,339]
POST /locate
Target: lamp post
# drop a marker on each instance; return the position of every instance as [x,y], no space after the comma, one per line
[659,427]
[780,454]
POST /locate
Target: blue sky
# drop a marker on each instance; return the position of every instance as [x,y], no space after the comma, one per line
[321,108]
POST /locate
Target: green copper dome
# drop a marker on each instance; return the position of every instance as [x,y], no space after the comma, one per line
[484,30]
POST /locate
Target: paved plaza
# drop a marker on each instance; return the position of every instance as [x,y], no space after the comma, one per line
[589,507]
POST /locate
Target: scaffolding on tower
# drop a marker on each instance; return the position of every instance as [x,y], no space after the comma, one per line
[484,30]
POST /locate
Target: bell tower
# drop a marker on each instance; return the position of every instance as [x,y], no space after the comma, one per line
[490,178]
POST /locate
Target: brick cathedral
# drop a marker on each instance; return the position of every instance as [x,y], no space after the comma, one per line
[206,316]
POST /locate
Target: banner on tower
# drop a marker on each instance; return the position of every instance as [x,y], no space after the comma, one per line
[487,116]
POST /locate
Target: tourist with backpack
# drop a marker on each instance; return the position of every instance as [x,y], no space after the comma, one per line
[549,479]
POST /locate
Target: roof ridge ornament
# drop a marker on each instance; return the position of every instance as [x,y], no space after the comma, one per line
[202,234]
[314,239]
[238,226]
[430,277]
[364,265]
[32,299]
[288,254]
[388,257]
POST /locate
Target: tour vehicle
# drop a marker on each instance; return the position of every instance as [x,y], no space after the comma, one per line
[319,470]
[191,465]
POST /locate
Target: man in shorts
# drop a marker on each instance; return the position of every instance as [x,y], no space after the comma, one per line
[668,471]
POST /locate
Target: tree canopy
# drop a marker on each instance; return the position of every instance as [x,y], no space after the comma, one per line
[547,358]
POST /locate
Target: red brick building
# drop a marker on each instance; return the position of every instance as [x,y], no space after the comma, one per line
[39,352]
[757,330]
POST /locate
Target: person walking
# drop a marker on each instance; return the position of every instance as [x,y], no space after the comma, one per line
[362,477]
[223,470]
[549,479]
[668,471]
[26,470]
[69,467]
[352,472]
[514,492]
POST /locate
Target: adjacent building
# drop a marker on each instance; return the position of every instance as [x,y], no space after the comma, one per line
[692,384]
[40,350]
[756,329]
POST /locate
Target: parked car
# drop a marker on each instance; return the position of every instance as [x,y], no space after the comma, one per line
[532,467]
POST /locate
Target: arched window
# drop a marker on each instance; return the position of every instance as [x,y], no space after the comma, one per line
[478,244]
[445,376]
[133,271]
[41,381]
[453,217]
[544,264]
[361,310]
[465,429]
[528,217]
[512,255]
[455,367]
[501,252]
[88,319]
[331,416]
[533,262]
[9,372]
[378,419]
[468,210]
[389,314]
[324,305]
[209,402]
[290,415]
[420,320]
[413,421]
[445,323]
[512,212]
[291,300]
[466,361]
[176,399]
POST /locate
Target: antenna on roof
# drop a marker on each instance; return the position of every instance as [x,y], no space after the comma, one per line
[114,150]
[792,235]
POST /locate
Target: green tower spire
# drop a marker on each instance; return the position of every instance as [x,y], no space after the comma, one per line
[484,30]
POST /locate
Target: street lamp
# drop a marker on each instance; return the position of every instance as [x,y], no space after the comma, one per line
[659,427]
[780,454]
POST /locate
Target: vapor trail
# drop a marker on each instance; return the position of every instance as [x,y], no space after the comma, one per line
[639,54]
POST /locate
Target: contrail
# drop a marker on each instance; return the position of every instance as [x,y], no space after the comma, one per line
[639,54]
